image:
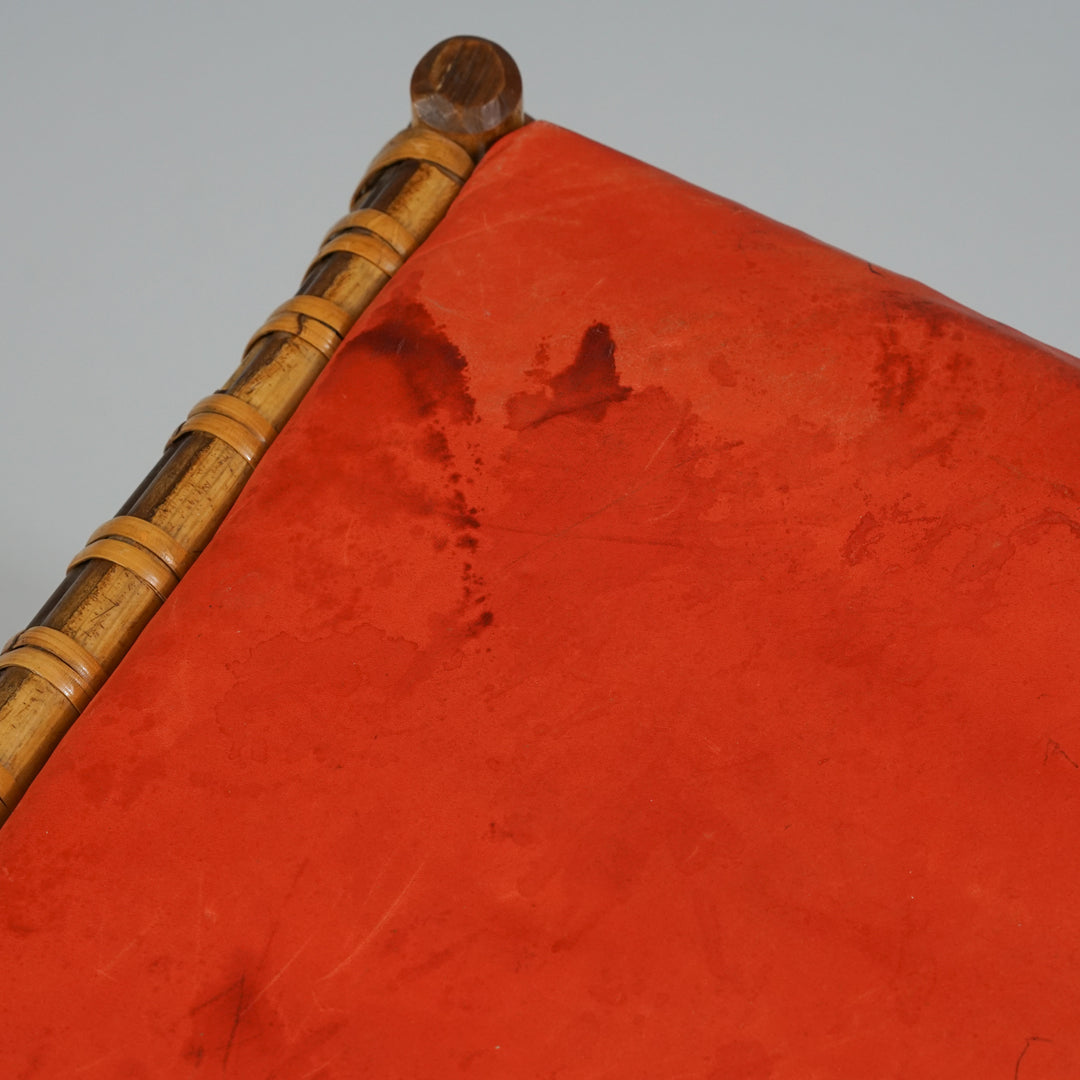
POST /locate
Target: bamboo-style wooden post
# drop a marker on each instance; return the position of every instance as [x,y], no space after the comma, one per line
[466,93]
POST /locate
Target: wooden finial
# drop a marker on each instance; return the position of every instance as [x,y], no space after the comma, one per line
[470,89]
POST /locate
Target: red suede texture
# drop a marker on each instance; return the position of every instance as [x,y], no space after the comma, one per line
[649,652]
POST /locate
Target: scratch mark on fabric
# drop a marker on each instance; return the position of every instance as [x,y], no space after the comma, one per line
[600,537]
[664,441]
[487,228]
[714,748]
[235,1024]
[1054,747]
[201,917]
[319,1068]
[346,542]
[106,969]
[449,311]
[374,931]
[215,997]
[1027,1046]
[281,971]
[633,490]
[95,1062]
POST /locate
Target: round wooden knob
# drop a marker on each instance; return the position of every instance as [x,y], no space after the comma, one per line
[470,89]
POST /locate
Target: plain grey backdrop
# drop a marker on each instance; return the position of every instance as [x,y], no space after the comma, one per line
[168,170]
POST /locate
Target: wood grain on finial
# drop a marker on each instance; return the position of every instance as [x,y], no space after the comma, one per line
[470,89]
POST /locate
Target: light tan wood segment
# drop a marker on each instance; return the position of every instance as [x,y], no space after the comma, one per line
[10,789]
[379,224]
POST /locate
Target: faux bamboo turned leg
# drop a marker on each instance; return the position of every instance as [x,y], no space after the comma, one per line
[466,93]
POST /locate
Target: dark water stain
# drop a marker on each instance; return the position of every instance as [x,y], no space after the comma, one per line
[587,387]
[861,540]
[900,375]
[434,374]
[916,333]
[459,514]
[722,372]
[431,365]
[435,446]
[937,319]
[481,622]
[1037,529]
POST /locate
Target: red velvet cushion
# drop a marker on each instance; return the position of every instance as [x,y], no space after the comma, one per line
[650,652]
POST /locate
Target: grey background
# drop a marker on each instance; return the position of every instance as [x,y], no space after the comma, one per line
[167,171]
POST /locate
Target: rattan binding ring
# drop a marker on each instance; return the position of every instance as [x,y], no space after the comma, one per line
[378,224]
[59,660]
[373,248]
[313,331]
[420,144]
[316,307]
[137,560]
[235,422]
[150,536]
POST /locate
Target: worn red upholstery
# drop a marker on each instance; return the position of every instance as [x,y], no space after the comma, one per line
[650,652]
